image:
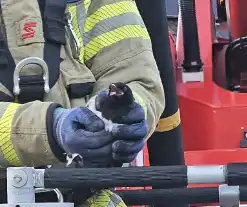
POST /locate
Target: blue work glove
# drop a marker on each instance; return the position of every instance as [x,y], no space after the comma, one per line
[80,131]
[130,129]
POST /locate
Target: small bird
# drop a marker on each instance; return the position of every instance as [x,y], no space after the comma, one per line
[110,110]
[118,103]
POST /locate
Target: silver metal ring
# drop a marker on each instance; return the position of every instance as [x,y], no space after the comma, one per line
[24,62]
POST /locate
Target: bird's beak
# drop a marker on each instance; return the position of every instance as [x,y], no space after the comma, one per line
[112,93]
[115,91]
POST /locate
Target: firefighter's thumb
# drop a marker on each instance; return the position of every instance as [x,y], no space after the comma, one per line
[89,120]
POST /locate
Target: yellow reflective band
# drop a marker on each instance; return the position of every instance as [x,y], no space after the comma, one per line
[6,144]
[105,198]
[121,204]
[114,36]
[169,123]
[87,4]
[108,11]
[76,30]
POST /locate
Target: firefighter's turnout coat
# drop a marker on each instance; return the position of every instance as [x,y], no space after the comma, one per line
[86,45]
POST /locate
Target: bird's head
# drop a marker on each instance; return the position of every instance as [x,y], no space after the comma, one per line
[121,92]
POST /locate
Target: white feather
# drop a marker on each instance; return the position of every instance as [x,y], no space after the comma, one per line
[70,158]
[108,123]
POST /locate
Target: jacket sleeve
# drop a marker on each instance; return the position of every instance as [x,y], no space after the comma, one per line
[25,133]
[118,48]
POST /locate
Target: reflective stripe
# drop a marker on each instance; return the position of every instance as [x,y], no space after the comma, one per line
[105,198]
[113,23]
[6,144]
[87,4]
[78,14]
[109,11]
[116,201]
[169,123]
[140,159]
[111,37]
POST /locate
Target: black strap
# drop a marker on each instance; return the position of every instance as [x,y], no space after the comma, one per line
[32,87]
[54,34]
[53,16]
[7,66]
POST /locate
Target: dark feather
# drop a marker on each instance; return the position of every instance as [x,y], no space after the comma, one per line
[118,104]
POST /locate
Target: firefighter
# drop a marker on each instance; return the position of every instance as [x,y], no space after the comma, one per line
[55,56]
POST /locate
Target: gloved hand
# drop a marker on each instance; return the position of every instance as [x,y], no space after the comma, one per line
[130,131]
[80,131]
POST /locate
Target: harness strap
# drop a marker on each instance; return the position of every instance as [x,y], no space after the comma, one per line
[24,38]
[52,13]
[54,33]
[7,66]
[18,47]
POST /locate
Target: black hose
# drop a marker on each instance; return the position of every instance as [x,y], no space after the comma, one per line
[169,197]
[235,59]
[164,147]
[192,60]
[236,174]
[99,178]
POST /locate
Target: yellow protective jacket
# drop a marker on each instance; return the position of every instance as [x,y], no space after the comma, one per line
[105,41]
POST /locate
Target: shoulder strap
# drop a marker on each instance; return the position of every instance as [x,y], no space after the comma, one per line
[7,66]
[35,30]
[54,22]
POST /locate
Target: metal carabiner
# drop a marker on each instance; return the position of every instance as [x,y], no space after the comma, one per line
[27,61]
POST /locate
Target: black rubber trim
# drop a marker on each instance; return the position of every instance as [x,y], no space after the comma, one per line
[79,90]
[56,149]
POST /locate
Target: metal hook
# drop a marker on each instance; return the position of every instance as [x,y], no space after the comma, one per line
[24,62]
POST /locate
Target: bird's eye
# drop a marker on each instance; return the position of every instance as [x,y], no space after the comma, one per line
[125,89]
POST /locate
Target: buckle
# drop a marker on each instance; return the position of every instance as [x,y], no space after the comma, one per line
[27,61]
